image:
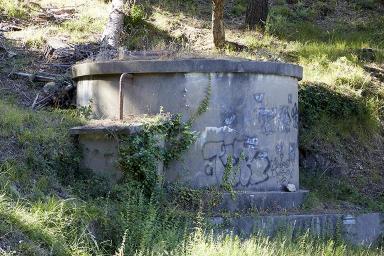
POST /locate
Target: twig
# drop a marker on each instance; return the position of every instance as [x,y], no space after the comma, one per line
[44,99]
[34,102]
[22,92]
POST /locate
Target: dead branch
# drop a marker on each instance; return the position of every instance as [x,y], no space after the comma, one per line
[35,101]
[33,77]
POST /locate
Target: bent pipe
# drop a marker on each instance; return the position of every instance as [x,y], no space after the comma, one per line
[121,94]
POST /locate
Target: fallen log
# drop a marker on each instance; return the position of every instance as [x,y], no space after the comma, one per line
[33,77]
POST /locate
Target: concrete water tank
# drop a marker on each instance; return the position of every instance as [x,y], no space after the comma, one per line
[252,117]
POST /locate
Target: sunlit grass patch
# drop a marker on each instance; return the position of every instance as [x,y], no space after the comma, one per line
[33,36]
[201,243]
[58,226]
[83,28]
[342,72]
[86,25]
[14,9]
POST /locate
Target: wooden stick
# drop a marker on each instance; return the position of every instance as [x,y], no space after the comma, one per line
[34,102]
[33,77]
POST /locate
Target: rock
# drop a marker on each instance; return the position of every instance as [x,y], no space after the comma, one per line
[291,188]
[50,87]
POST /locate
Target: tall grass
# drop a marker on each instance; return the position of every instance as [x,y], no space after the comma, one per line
[206,244]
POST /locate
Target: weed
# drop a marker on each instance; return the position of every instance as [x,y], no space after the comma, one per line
[81,28]
[14,9]
[239,8]
[326,188]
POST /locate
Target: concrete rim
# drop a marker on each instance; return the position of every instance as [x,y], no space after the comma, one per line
[186,66]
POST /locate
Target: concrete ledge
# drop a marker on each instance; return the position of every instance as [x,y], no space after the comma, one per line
[99,142]
[130,125]
[238,202]
[186,66]
[105,129]
[359,229]
[262,201]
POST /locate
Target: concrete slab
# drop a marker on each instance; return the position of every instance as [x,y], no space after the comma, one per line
[358,229]
[187,66]
[214,201]
[241,201]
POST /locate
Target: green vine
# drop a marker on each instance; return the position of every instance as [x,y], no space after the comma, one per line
[141,153]
[179,137]
[226,182]
[139,157]
[230,172]
[204,104]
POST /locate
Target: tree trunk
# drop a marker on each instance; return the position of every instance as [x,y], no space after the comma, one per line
[257,13]
[112,34]
[218,23]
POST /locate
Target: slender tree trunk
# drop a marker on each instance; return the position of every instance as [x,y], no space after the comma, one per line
[112,33]
[218,23]
[257,13]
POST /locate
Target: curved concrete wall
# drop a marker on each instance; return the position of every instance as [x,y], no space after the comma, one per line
[252,114]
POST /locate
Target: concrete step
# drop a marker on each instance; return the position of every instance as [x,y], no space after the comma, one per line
[217,201]
[240,201]
[359,229]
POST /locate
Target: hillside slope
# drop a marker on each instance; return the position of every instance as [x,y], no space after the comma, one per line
[49,207]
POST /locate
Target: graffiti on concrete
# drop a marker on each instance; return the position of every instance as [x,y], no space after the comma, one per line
[230,119]
[289,98]
[259,98]
[251,164]
[295,116]
[276,119]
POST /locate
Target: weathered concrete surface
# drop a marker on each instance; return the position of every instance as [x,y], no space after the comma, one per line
[361,229]
[187,66]
[260,201]
[100,145]
[100,154]
[252,115]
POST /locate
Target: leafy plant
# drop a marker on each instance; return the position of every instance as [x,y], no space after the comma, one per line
[139,156]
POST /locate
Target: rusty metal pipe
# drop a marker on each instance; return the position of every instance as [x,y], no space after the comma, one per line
[121,94]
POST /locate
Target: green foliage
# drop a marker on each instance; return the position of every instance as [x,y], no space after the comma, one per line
[188,6]
[179,137]
[85,111]
[41,161]
[230,172]
[136,14]
[203,243]
[45,133]
[366,4]
[239,8]
[150,226]
[204,104]
[327,188]
[139,156]
[54,208]
[226,183]
[317,100]
[142,35]
[14,9]
[82,27]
